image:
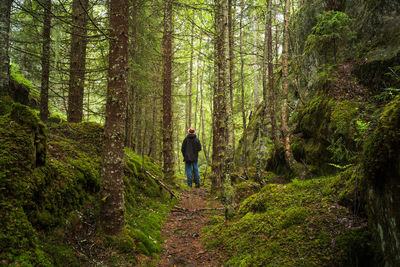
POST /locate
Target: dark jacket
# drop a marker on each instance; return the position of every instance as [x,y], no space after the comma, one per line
[190,148]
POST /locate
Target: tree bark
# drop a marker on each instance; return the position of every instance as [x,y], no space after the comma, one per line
[229,40]
[286,135]
[168,155]
[5,9]
[44,89]
[256,93]
[112,188]
[219,100]
[78,60]
[130,119]
[198,81]
[244,141]
[203,135]
[191,77]
[272,112]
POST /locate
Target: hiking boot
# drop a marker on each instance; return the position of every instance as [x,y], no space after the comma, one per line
[197,185]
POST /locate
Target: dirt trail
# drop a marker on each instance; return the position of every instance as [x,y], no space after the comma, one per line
[182,231]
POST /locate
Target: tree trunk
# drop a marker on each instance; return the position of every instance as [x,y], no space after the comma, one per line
[199,77]
[203,135]
[229,39]
[78,60]
[44,89]
[168,155]
[272,113]
[244,144]
[5,9]
[130,119]
[112,191]
[286,135]
[256,93]
[191,77]
[219,100]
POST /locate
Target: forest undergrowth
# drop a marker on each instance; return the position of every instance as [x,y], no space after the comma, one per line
[49,196]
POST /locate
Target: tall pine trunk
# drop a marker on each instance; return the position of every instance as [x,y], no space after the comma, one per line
[244,144]
[44,89]
[130,118]
[219,101]
[286,135]
[190,89]
[112,187]
[5,9]
[78,60]
[168,155]
[229,40]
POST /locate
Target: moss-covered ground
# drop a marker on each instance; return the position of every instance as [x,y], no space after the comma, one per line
[302,223]
[49,195]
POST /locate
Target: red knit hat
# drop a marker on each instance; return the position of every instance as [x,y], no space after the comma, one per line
[191,130]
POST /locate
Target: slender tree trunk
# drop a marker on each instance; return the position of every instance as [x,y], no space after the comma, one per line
[256,93]
[130,118]
[272,113]
[264,61]
[191,76]
[198,84]
[138,123]
[44,89]
[112,192]
[168,147]
[286,135]
[276,38]
[187,106]
[230,41]
[88,104]
[78,60]
[5,9]
[244,144]
[203,135]
[196,107]
[153,145]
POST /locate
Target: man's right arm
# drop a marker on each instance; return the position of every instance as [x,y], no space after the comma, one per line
[183,147]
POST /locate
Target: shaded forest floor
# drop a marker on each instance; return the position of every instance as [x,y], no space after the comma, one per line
[183,231]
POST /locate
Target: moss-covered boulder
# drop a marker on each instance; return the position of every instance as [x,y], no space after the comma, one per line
[326,134]
[382,169]
[295,224]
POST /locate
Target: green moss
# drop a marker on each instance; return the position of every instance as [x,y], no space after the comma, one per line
[48,178]
[381,155]
[146,203]
[297,224]
[327,132]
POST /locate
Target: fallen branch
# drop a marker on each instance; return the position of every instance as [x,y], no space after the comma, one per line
[184,210]
[161,184]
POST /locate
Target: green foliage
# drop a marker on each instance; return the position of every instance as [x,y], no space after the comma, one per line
[331,32]
[291,225]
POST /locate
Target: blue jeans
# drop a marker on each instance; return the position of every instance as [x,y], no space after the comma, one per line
[188,167]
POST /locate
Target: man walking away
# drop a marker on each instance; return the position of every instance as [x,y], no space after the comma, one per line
[190,151]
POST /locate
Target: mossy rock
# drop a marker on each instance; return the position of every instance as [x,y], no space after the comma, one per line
[295,224]
[325,133]
[381,150]
[382,173]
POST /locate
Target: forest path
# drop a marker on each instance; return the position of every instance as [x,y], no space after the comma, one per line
[183,231]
